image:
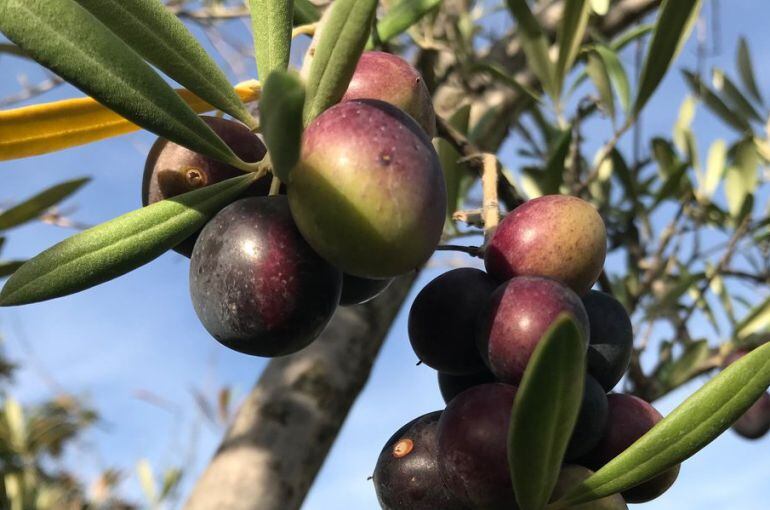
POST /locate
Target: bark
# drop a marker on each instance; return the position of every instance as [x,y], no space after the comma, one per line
[285,428]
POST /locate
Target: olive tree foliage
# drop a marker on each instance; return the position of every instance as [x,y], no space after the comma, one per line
[689,238]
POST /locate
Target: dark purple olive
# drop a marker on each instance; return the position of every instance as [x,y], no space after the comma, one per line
[255,283]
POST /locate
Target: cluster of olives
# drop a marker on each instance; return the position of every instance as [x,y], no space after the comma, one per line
[365,203]
[479,329]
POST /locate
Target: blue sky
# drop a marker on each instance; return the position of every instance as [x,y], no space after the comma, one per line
[140,334]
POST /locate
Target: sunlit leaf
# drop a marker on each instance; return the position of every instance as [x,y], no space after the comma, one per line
[715,169]
[684,121]
[147,480]
[741,178]
[156,34]
[118,246]
[48,127]
[70,41]
[34,206]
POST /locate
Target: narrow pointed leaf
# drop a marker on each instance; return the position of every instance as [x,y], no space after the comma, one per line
[733,96]
[500,74]
[281,119]
[694,424]
[715,169]
[118,246]
[401,16]
[33,207]
[147,480]
[617,74]
[545,411]
[684,122]
[305,12]
[70,41]
[673,27]
[156,34]
[271,22]
[341,43]
[8,267]
[715,103]
[631,35]
[571,32]
[49,127]
[599,75]
[535,45]
[746,70]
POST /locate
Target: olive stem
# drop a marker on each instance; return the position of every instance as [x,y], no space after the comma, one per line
[275,186]
[490,209]
[308,29]
[474,251]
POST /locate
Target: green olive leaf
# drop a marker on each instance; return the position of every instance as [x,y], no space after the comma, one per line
[400,17]
[162,39]
[672,28]
[8,267]
[118,246]
[695,423]
[545,411]
[572,29]
[283,98]
[271,22]
[305,12]
[535,45]
[341,43]
[746,70]
[34,206]
[69,40]
[715,103]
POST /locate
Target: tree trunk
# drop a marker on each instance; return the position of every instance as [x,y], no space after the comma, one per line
[285,428]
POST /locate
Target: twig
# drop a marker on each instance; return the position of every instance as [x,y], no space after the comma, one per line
[308,29]
[474,251]
[490,209]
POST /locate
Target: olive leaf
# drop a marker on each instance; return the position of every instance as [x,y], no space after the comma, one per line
[571,32]
[340,45]
[746,70]
[675,21]
[156,34]
[8,267]
[118,246]
[545,412]
[695,423]
[283,97]
[69,40]
[716,104]
[535,45]
[400,17]
[48,127]
[305,12]
[271,23]
[39,203]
